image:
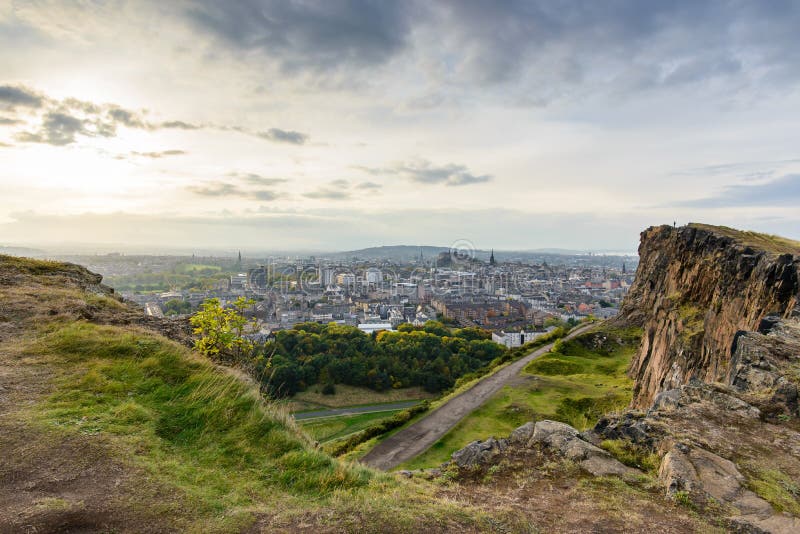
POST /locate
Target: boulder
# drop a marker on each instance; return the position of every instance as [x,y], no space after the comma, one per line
[552,434]
[676,471]
[522,434]
[566,441]
[666,400]
[696,470]
[479,452]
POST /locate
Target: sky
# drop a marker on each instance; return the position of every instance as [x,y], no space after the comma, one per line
[336,125]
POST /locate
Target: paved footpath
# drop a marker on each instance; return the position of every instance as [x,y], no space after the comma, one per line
[418,437]
[353,410]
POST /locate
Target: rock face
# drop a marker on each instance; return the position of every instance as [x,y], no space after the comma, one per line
[696,287]
[479,452]
[63,278]
[566,441]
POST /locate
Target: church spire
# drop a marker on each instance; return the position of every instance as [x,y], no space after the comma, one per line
[491,258]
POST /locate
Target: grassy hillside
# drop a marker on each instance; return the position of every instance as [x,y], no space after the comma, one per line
[768,242]
[115,428]
[576,383]
[334,428]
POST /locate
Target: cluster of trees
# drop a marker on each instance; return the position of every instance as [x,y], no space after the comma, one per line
[178,307]
[431,356]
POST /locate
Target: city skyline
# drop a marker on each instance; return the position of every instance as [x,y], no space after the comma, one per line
[342,125]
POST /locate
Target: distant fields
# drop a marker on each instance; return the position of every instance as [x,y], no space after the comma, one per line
[345,396]
[575,383]
[197,267]
[328,429]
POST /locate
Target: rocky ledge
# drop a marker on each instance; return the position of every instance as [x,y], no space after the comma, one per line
[697,288]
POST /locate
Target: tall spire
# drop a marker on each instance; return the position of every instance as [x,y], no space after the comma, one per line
[491,258]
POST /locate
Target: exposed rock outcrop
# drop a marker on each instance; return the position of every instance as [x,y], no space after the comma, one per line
[76,288]
[718,370]
[479,452]
[696,287]
[567,442]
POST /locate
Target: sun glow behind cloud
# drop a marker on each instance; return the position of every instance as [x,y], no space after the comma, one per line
[472,117]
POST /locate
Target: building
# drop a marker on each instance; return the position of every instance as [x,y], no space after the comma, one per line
[374,276]
[369,328]
[326,276]
[238,281]
[515,339]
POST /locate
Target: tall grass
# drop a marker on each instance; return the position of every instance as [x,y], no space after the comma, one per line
[171,403]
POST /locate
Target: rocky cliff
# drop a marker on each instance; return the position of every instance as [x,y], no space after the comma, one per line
[698,288]
[715,419]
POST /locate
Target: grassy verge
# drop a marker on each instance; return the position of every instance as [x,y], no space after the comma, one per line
[332,428]
[227,455]
[347,396]
[584,379]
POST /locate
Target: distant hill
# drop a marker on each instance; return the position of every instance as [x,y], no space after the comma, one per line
[407,253]
[22,251]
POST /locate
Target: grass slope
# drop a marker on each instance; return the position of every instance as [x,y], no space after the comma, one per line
[576,383]
[333,428]
[209,453]
[767,242]
[348,396]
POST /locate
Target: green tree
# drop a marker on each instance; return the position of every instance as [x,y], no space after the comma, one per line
[221,331]
[177,307]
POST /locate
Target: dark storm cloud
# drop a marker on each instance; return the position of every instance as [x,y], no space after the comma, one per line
[424,172]
[685,41]
[784,191]
[551,48]
[284,136]
[317,35]
[13,96]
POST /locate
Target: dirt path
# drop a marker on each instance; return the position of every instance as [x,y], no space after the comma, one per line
[417,438]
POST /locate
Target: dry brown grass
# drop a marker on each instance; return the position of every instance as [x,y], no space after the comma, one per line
[769,243]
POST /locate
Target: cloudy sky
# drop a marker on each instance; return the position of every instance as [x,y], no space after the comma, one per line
[330,125]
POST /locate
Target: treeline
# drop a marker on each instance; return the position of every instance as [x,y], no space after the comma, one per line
[431,356]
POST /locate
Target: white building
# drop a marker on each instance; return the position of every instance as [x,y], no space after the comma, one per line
[374,276]
[326,275]
[515,339]
[369,328]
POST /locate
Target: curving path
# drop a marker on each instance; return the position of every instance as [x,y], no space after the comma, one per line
[417,438]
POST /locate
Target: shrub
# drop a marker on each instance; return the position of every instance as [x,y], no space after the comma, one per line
[632,455]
